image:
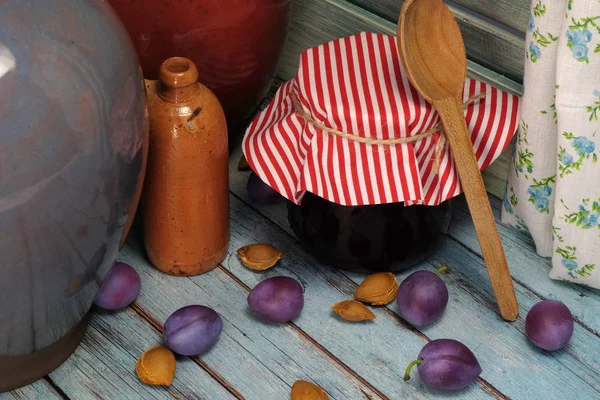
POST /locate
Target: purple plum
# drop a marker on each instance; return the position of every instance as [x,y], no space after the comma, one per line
[192,330]
[446,364]
[422,297]
[277,299]
[120,287]
[549,325]
[260,192]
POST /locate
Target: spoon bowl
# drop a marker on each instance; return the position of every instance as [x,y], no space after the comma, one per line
[437,52]
[433,54]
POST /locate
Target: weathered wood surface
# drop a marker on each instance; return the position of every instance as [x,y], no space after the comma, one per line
[486,42]
[103,367]
[496,175]
[503,350]
[315,22]
[37,390]
[376,351]
[511,13]
[529,269]
[255,360]
[497,49]
[259,360]
[499,14]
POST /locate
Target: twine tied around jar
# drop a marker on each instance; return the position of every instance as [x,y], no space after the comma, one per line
[299,109]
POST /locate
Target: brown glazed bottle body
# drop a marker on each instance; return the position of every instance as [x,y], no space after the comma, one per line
[185,202]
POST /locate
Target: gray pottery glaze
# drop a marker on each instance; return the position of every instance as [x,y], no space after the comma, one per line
[73,133]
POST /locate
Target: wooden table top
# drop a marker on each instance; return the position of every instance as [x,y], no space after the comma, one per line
[255,360]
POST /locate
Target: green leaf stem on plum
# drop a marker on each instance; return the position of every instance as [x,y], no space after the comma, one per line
[409,368]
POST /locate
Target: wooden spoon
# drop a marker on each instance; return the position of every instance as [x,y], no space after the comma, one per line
[433,54]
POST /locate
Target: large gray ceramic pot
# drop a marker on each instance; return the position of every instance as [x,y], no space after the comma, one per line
[73,143]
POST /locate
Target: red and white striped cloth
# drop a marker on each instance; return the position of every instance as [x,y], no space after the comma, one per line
[357,85]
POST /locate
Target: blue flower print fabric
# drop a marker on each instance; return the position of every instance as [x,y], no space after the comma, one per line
[553,188]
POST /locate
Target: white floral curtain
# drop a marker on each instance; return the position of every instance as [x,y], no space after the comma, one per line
[554,183]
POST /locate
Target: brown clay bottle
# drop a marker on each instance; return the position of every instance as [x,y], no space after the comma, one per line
[185,203]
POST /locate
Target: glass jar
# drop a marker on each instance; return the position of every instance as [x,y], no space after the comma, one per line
[373,238]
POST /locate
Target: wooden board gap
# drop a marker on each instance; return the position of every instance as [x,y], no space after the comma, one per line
[485,384]
[54,386]
[156,325]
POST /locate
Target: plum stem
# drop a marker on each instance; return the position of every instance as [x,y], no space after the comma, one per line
[412,364]
[441,269]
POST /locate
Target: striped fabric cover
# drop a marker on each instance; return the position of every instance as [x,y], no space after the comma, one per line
[357,85]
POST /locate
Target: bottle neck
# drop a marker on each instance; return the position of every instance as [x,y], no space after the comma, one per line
[179,95]
[178,80]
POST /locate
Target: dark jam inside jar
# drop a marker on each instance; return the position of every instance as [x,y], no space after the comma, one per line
[385,237]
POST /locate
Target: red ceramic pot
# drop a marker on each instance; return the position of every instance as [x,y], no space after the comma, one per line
[235,44]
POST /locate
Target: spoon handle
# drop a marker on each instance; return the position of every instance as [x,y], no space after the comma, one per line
[457,133]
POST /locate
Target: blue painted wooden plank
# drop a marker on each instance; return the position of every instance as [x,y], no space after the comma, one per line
[261,361]
[578,357]
[104,364]
[37,390]
[576,366]
[512,13]
[487,43]
[504,351]
[377,351]
[530,269]
[317,21]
